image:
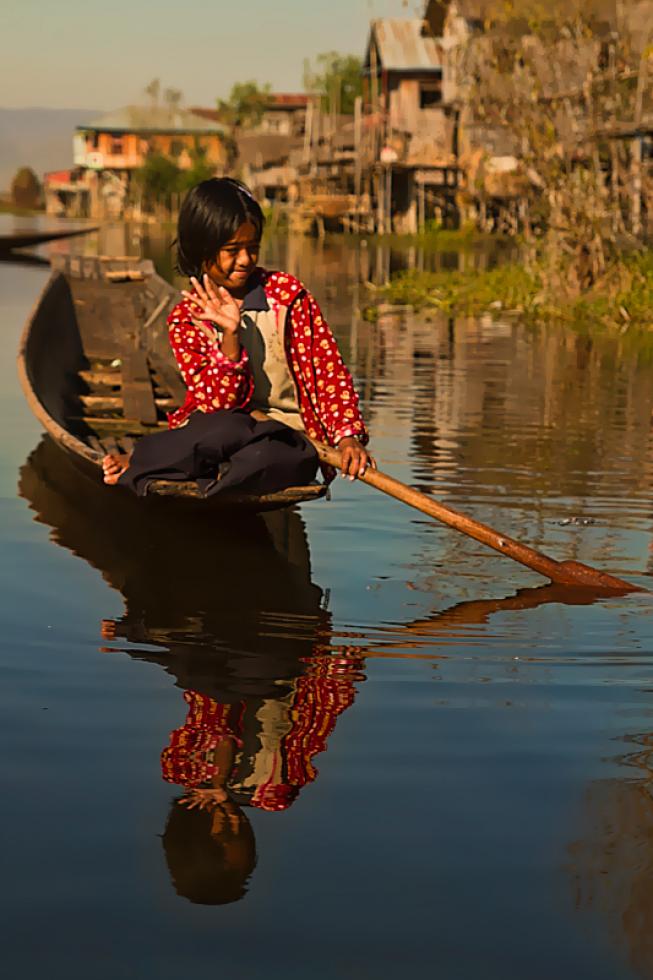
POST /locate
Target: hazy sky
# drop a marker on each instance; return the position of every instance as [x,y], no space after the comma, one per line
[88,53]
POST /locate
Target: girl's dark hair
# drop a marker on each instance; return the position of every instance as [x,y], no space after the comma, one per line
[211,214]
[203,867]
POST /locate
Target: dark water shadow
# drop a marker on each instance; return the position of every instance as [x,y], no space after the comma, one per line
[229,610]
[610,864]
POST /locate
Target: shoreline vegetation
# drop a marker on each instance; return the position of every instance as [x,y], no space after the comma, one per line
[621,298]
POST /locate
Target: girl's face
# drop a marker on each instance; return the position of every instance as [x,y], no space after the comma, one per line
[236,260]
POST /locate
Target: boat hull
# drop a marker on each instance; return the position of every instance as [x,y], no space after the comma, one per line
[96,369]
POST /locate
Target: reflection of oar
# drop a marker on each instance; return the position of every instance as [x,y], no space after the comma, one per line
[564,572]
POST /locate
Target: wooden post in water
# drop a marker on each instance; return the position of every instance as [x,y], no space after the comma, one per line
[358,126]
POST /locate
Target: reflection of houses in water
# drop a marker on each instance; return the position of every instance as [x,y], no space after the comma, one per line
[518,407]
[611,864]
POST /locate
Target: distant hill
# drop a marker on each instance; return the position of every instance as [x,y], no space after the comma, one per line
[38,138]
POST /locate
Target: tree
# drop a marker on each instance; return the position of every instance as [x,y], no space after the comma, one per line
[562,98]
[159,177]
[336,79]
[246,104]
[153,90]
[200,170]
[25,188]
[172,98]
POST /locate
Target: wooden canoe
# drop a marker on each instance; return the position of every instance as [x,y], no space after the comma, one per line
[97,371]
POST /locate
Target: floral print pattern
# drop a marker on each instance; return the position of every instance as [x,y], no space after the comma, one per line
[327,399]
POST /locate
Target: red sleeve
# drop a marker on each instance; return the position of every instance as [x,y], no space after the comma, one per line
[213,379]
[337,399]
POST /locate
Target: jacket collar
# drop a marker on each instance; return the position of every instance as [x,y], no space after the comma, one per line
[255,299]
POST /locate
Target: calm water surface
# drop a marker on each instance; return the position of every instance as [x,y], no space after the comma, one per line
[434,762]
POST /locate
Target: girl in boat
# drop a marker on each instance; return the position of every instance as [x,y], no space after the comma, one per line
[261,366]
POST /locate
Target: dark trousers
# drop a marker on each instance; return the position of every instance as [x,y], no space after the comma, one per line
[224,450]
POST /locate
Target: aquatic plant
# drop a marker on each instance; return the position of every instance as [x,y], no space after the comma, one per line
[621,298]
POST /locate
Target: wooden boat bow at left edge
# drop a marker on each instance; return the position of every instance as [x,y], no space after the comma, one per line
[96,368]
[569,573]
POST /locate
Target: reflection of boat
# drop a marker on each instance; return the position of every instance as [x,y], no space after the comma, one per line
[97,371]
[234,602]
[234,618]
[242,594]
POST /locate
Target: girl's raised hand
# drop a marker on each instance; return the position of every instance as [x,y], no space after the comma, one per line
[218,306]
[203,798]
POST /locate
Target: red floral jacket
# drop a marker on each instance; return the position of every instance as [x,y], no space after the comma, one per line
[327,400]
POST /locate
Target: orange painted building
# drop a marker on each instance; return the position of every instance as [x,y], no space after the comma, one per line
[108,150]
[122,139]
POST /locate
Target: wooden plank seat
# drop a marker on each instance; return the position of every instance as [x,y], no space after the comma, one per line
[137,391]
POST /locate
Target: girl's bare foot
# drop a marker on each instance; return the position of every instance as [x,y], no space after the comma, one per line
[113,466]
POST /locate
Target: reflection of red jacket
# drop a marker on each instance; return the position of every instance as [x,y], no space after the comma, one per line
[320,695]
[327,400]
[188,760]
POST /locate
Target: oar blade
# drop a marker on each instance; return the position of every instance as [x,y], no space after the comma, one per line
[576,573]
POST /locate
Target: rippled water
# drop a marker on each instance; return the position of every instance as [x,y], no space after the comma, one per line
[432,761]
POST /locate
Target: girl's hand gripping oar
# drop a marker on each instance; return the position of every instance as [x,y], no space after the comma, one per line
[572,573]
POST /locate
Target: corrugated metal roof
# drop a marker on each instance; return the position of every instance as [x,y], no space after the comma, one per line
[402,46]
[152,119]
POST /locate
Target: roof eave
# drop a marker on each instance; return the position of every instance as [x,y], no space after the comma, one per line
[144,130]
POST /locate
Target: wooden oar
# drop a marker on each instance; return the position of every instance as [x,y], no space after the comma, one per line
[572,573]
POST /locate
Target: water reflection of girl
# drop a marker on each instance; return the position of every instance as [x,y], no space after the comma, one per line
[210,854]
[254,752]
[259,751]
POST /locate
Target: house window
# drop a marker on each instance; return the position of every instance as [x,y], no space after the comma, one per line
[93,141]
[116,146]
[430,94]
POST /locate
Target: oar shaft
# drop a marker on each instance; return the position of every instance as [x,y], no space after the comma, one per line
[566,573]
[452,518]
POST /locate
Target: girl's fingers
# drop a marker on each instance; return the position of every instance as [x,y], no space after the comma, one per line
[355,463]
[198,289]
[349,463]
[227,299]
[208,285]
